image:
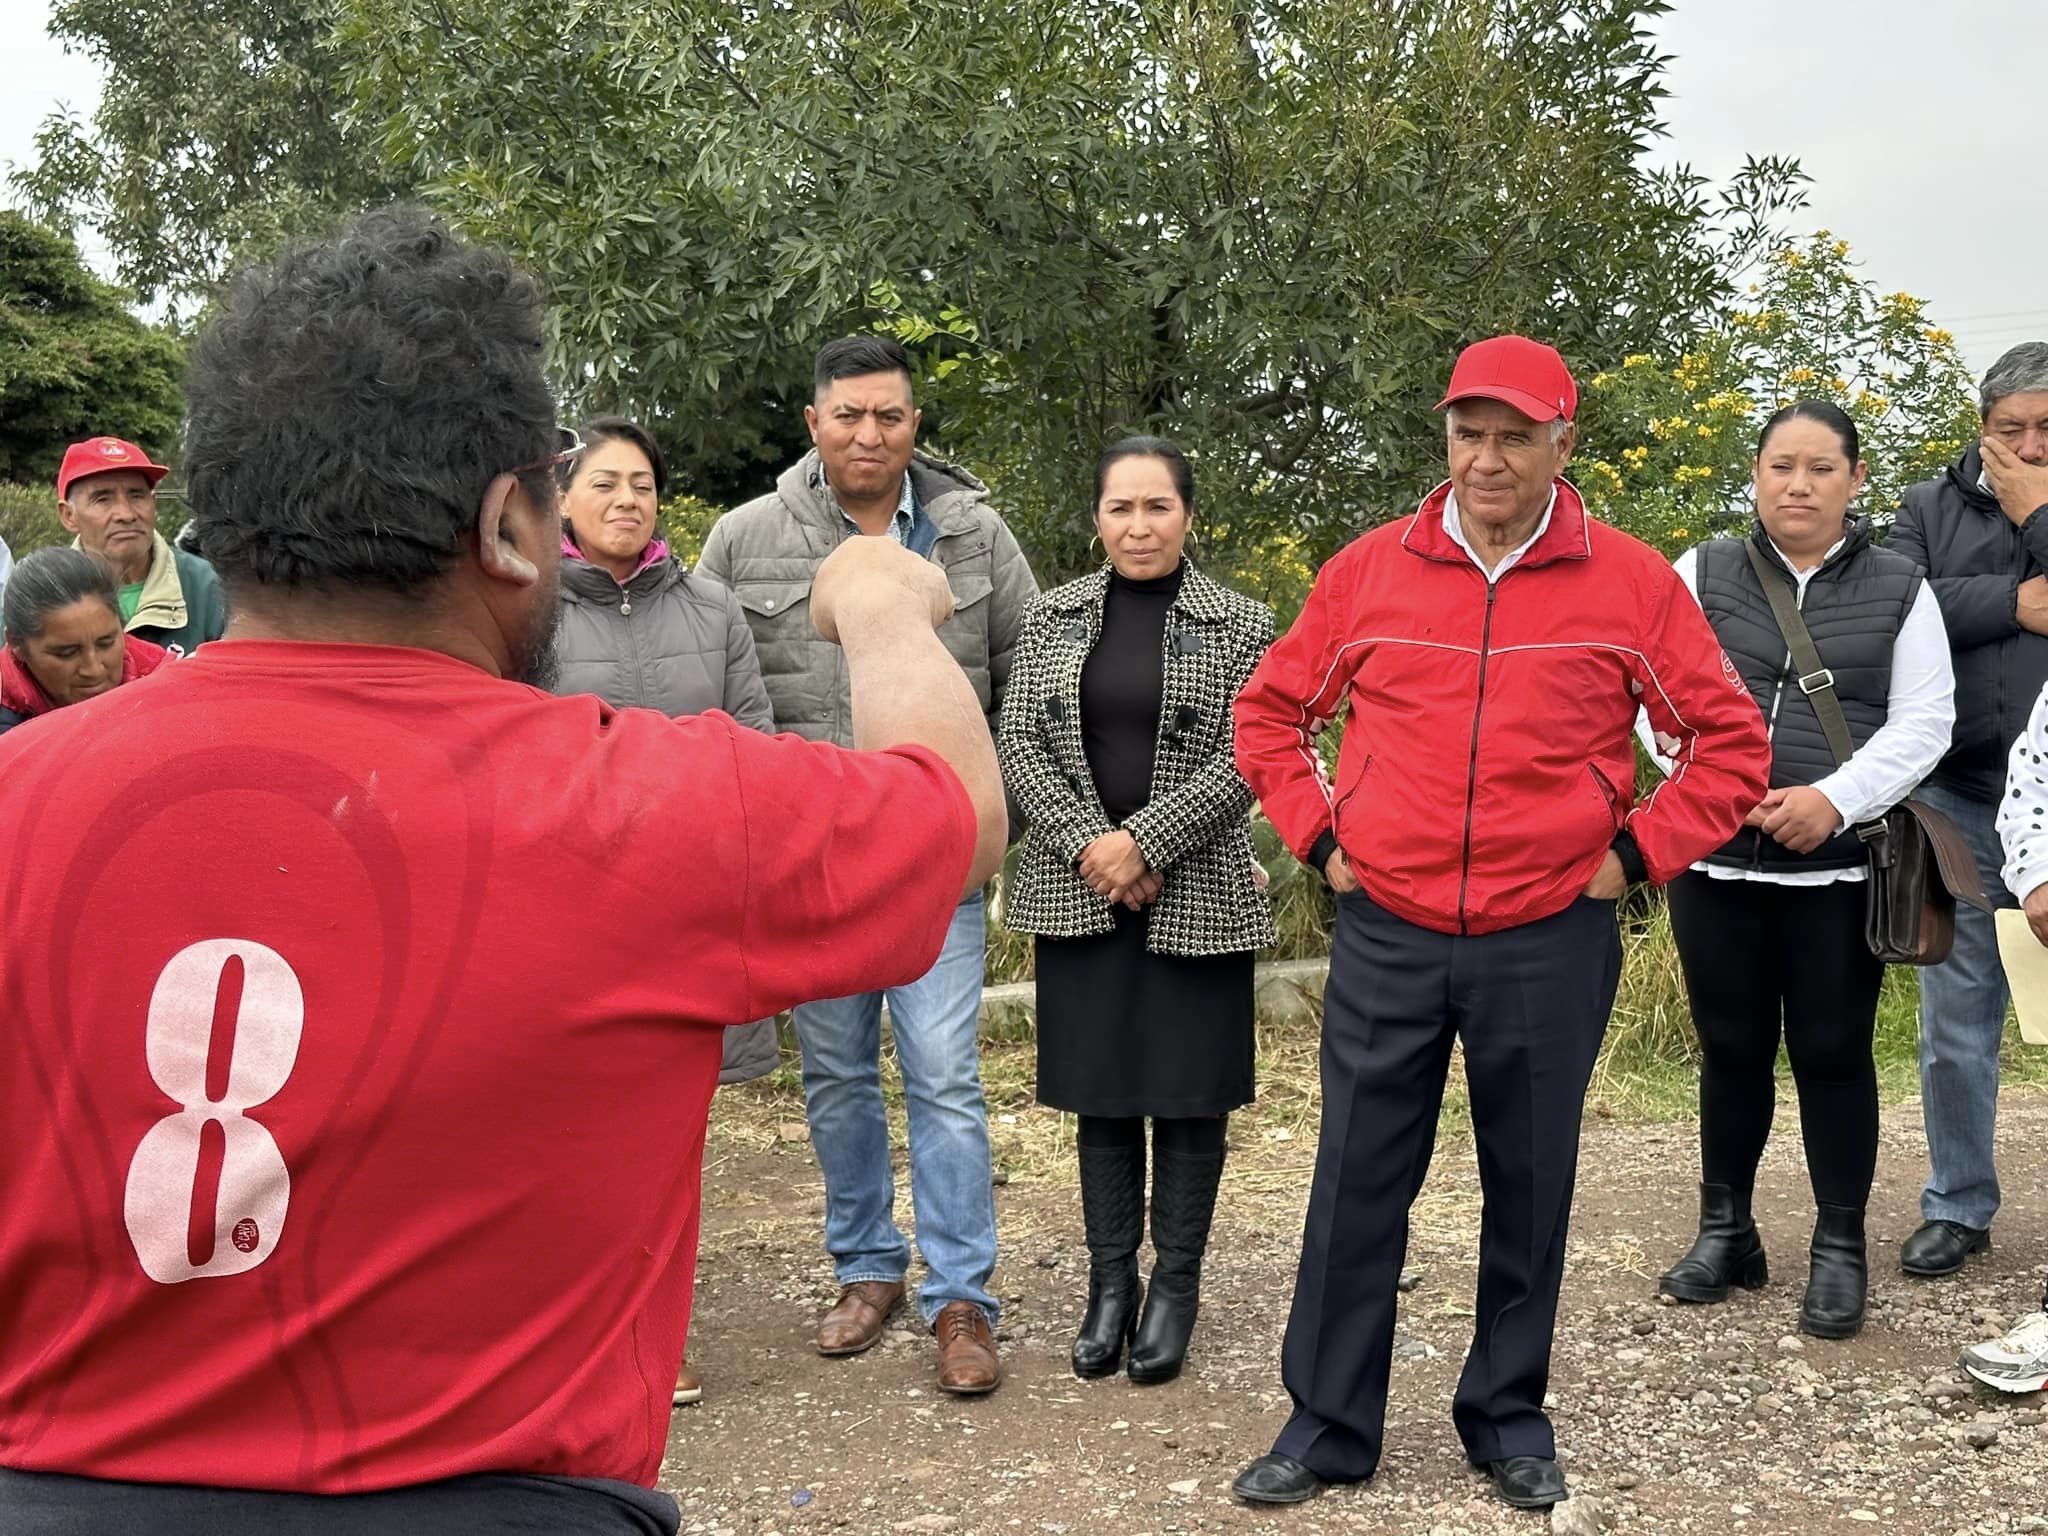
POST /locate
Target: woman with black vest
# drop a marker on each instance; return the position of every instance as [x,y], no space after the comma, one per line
[1770,928]
[1137,875]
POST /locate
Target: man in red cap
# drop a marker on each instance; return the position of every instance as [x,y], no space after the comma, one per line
[1494,649]
[106,495]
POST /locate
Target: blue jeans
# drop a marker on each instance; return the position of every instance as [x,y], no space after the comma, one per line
[1962,1020]
[934,1020]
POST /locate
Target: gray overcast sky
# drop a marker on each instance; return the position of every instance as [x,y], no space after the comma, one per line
[1918,122]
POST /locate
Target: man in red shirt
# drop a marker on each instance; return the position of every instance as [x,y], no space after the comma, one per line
[343,972]
[1493,649]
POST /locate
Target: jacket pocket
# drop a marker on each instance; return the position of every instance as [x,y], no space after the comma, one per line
[1343,803]
[969,588]
[1610,802]
[771,602]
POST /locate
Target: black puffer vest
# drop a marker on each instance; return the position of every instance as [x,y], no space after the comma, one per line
[1854,606]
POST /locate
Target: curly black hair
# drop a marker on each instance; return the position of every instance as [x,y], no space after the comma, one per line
[353,400]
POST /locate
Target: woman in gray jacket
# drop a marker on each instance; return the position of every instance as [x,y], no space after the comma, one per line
[641,632]
[1137,876]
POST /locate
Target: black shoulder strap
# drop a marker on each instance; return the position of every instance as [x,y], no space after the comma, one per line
[1815,680]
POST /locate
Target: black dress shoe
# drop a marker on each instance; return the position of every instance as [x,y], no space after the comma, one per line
[1527,1482]
[1940,1247]
[1276,1479]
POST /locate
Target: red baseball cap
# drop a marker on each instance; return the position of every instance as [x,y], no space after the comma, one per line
[99,456]
[1515,371]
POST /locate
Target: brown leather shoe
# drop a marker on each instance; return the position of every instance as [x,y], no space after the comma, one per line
[856,1322]
[967,1350]
[689,1389]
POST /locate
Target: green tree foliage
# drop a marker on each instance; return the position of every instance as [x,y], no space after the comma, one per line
[74,361]
[1668,439]
[220,130]
[1262,227]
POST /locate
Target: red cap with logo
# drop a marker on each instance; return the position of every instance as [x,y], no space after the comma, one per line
[102,455]
[1515,371]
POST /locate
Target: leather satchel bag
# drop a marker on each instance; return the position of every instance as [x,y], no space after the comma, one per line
[1920,864]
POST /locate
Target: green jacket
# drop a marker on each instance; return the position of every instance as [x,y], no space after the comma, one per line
[182,605]
[768,550]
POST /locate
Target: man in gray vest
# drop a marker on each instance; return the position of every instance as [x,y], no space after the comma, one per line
[1979,532]
[864,478]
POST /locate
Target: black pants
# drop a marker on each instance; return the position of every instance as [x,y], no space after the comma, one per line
[1530,1005]
[1760,959]
[1186,1136]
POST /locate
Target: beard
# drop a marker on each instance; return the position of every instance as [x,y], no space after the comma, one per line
[538,660]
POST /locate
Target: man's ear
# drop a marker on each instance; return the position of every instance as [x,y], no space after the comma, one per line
[1567,443]
[811,421]
[506,514]
[67,517]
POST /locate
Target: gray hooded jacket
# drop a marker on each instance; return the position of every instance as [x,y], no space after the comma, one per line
[768,550]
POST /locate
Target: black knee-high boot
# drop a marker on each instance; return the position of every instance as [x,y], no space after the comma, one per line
[1113,1216]
[1183,1205]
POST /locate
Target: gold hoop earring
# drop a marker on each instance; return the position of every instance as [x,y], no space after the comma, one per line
[1095,543]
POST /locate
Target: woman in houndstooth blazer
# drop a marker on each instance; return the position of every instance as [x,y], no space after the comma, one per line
[1137,875]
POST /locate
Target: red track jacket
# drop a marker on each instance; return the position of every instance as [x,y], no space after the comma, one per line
[1488,763]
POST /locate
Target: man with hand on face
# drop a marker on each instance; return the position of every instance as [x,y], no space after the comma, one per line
[330,1201]
[865,480]
[1493,648]
[1979,533]
[106,496]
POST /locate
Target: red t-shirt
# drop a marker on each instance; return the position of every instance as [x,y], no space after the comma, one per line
[361,1014]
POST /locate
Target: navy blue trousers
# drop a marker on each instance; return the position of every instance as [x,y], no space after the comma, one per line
[1530,1005]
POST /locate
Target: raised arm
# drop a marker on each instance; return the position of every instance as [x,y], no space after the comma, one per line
[882,604]
[1976,610]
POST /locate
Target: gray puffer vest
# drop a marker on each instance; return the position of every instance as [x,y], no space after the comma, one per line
[1853,608]
[675,642]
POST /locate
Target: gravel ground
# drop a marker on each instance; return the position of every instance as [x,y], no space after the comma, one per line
[1669,1419]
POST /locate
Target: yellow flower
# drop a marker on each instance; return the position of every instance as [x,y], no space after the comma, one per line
[1681,533]
[1841,249]
[1635,457]
[1707,431]
[1602,380]
[1637,360]
[1800,376]
[1938,337]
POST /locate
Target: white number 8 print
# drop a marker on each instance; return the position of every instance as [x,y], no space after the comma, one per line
[163,1179]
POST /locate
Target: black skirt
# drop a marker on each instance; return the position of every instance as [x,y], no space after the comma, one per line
[1122,1031]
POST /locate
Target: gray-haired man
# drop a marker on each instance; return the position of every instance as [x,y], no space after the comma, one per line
[1979,531]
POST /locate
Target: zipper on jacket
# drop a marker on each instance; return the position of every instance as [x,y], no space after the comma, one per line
[1756,847]
[1472,765]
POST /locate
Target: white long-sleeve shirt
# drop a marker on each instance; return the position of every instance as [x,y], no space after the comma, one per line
[1920,717]
[2023,808]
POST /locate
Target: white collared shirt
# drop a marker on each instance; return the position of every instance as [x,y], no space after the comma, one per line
[1455,527]
[1920,715]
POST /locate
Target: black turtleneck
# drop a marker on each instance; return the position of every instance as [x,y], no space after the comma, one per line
[1122,683]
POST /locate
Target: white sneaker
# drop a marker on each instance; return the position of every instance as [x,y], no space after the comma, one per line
[2016,1363]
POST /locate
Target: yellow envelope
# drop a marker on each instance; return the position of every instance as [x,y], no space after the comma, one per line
[2026,971]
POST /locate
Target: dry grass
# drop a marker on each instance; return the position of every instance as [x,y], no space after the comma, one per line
[1647,1070]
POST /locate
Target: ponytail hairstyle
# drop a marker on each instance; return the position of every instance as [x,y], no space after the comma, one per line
[1165,450]
[51,580]
[1827,414]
